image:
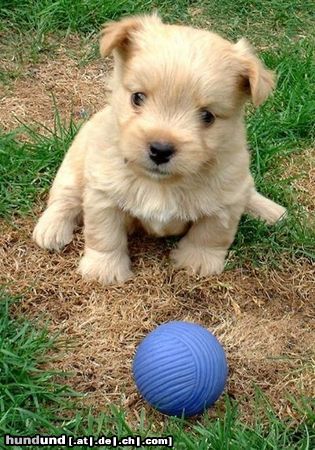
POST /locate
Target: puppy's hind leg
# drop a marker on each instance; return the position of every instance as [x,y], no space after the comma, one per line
[265,209]
[55,227]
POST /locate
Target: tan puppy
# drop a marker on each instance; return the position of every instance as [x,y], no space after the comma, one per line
[169,151]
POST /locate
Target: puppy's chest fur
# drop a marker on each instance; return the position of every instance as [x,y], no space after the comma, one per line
[150,202]
[166,209]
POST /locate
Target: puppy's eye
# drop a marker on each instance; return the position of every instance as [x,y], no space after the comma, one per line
[207,117]
[138,98]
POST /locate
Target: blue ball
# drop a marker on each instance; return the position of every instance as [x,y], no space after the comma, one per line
[180,368]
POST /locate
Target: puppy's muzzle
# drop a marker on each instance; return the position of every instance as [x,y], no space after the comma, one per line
[161,152]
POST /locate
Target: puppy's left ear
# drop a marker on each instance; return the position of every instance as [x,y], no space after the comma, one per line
[258,80]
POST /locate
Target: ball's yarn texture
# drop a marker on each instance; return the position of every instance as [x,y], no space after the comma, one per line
[180,368]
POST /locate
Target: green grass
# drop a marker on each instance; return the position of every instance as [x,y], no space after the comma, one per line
[27,166]
[82,16]
[87,16]
[26,24]
[32,401]
[25,388]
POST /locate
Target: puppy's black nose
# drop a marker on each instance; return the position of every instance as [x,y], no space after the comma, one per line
[161,152]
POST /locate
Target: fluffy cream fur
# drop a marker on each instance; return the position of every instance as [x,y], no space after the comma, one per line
[205,187]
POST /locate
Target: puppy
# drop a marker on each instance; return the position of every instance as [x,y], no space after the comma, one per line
[168,151]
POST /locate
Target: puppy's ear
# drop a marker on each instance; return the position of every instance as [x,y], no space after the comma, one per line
[257,80]
[120,35]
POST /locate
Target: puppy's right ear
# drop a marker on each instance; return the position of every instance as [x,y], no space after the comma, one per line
[119,36]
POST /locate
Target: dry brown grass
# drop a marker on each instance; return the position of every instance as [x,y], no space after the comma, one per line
[301,168]
[262,317]
[78,89]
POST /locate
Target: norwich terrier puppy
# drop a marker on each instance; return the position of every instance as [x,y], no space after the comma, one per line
[168,151]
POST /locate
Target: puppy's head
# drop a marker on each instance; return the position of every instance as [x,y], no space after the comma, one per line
[178,94]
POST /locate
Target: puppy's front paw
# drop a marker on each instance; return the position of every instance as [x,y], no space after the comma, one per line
[105,267]
[53,233]
[199,260]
